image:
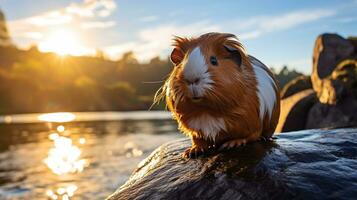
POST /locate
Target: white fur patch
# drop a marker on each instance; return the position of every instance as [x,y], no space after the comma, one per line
[208,126]
[195,68]
[266,86]
[195,65]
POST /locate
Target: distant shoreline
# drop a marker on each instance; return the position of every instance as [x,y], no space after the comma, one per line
[63,117]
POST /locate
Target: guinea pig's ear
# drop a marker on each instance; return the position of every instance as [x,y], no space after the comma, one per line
[177,56]
[234,54]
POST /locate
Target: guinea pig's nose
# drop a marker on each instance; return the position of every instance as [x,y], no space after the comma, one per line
[192,81]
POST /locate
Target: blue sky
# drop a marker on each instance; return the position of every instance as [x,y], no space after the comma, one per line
[278,32]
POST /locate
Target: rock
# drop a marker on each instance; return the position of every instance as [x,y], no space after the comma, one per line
[345,77]
[334,80]
[294,111]
[343,114]
[313,164]
[296,85]
[329,50]
[353,40]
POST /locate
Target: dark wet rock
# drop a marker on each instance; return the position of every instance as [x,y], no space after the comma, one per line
[295,110]
[313,164]
[296,85]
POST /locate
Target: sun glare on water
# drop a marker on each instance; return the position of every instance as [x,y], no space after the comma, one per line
[64,157]
[63,42]
[57,117]
[64,193]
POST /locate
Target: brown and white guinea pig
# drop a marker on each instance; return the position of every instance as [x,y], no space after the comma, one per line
[220,96]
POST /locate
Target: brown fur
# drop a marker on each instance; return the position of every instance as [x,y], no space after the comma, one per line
[233,97]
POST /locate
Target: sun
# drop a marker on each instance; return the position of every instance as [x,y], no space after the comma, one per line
[63,42]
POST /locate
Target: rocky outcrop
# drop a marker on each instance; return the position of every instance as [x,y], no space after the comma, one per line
[344,78]
[333,101]
[296,85]
[329,51]
[313,164]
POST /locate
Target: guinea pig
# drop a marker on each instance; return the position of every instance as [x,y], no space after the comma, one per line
[220,96]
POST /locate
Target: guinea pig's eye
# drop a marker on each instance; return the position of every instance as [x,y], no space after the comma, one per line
[213,60]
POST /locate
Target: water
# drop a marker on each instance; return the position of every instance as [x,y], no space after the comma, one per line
[76,155]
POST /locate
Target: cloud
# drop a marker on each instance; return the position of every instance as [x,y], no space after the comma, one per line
[346,20]
[49,18]
[149,18]
[98,24]
[150,42]
[86,9]
[157,41]
[293,19]
[83,15]
[256,26]
[250,35]
[33,35]
[92,8]
[74,11]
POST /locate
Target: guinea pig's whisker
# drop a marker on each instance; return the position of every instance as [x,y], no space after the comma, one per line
[177,101]
[151,82]
[209,87]
[177,96]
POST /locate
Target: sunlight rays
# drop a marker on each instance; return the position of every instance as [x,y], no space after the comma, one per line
[63,42]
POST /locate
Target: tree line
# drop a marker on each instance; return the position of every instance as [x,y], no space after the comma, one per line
[32,81]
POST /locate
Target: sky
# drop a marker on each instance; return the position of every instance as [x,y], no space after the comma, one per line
[278,32]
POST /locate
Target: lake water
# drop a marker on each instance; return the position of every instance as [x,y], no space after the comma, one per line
[76,155]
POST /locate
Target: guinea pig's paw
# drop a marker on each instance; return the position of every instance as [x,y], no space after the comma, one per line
[193,152]
[232,144]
